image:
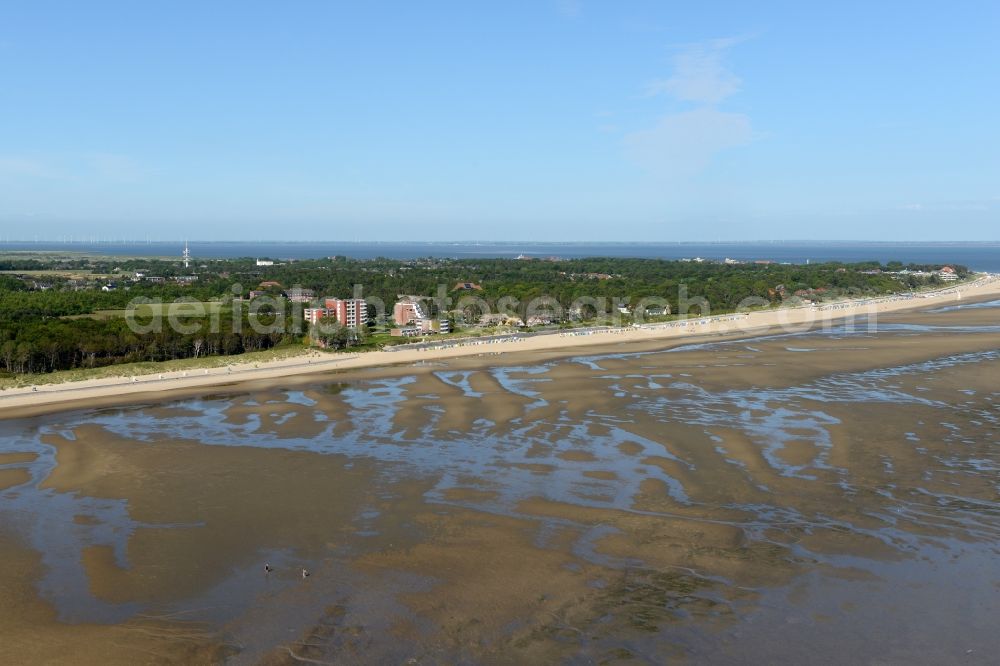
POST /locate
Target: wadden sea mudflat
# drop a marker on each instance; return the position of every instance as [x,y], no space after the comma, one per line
[826,497]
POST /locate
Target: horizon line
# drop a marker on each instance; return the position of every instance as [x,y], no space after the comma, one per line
[147,241]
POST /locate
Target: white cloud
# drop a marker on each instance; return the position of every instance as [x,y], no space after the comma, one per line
[683,144]
[680,145]
[700,74]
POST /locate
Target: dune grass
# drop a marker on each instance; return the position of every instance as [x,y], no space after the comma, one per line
[125,370]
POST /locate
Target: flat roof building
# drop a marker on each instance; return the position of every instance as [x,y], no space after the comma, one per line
[349,312]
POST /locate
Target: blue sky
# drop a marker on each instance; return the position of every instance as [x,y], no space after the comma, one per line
[548,120]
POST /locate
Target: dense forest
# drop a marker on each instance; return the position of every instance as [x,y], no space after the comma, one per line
[51,310]
[44,345]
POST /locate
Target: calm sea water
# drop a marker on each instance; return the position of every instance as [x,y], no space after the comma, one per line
[983,256]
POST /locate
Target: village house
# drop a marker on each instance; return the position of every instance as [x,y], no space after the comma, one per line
[299,295]
[540,320]
[500,319]
[947,274]
[657,310]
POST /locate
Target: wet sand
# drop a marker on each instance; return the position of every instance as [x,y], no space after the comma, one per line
[820,497]
[32,633]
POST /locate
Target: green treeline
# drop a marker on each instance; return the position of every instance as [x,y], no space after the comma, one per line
[45,345]
[46,322]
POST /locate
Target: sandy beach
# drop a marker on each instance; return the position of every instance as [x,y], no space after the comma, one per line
[44,398]
[674,500]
